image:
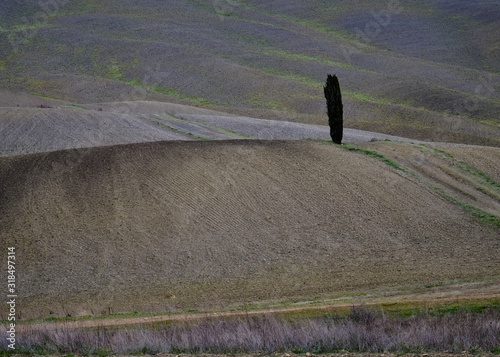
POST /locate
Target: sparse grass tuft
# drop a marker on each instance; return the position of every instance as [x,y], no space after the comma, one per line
[378,156]
[367,152]
[114,71]
[73,106]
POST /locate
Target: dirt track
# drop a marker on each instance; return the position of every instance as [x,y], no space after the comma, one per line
[439,296]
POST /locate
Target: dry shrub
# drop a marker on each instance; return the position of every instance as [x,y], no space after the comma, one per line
[362,330]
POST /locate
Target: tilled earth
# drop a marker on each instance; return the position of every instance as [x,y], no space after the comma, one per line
[166,225]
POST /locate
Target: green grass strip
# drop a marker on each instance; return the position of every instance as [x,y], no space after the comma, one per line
[284,54]
[479,176]
[73,106]
[171,92]
[213,127]
[378,156]
[484,179]
[483,216]
[369,153]
[474,211]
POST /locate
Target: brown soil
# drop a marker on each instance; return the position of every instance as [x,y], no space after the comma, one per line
[468,174]
[167,225]
[483,159]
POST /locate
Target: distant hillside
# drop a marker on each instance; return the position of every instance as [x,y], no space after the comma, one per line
[55,125]
[157,226]
[404,69]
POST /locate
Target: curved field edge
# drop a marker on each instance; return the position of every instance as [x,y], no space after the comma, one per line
[205,222]
[480,177]
[261,61]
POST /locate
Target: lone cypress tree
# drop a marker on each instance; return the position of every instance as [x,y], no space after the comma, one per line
[335,108]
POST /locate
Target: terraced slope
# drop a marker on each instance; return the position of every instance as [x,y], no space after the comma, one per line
[157,226]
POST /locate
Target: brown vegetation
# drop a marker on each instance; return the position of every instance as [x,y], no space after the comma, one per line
[363,330]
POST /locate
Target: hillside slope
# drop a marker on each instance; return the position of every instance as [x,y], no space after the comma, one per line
[156,226]
[38,130]
[420,67]
[32,130]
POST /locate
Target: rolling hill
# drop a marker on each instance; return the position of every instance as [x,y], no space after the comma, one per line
[167,225]
[164,155]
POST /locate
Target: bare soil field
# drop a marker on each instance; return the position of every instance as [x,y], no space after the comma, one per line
[469,175]
[166,225]
[36,130]
[54,127]
[485,159]
[173,158]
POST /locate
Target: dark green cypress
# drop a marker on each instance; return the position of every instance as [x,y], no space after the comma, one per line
[335,108]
